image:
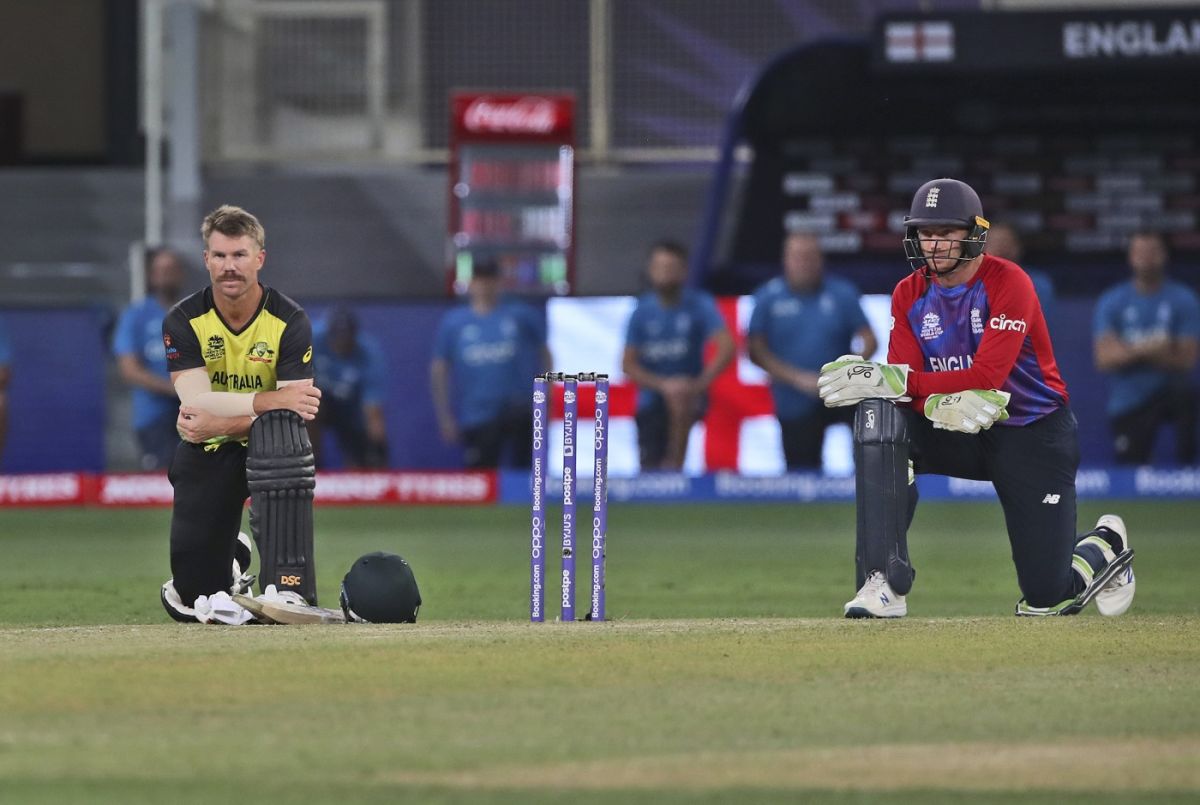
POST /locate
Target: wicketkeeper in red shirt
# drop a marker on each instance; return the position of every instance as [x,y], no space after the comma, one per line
[970,390]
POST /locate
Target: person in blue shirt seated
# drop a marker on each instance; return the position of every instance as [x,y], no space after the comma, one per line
[485,356]
[802,320]
[5,376]
[665,345]
[349,367]
[1147,332]
[1004,241]
[142,360]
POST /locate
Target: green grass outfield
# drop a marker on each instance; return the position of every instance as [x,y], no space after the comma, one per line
[725,675]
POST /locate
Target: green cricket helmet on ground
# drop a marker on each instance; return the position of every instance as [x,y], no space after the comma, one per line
[380,588]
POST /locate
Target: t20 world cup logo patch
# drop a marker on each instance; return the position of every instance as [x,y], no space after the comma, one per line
[539,397]
[931,326]
[215,350]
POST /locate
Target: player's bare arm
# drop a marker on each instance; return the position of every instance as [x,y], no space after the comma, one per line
[5,374]
[301,396]
[376,422]
[1176,354]
[866,338]
[197,425]
[194,389]
[1112,354]
[722,355]
[780,370]
[631,365]
[136,374]
[439,386]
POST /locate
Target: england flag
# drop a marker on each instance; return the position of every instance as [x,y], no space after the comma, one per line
[908,42]
[739,430]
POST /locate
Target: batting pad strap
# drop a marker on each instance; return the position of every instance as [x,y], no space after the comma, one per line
[881,479]
[281,474]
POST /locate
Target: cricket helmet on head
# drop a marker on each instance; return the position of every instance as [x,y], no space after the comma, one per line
[943,203]
[380,588]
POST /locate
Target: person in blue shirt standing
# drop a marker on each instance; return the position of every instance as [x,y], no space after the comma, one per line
[142,360]
[802,320]
[1147,338]
[5,376]
[350,368]
[664,355]
[485,355]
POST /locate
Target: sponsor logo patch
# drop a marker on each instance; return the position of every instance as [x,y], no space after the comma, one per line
[1002,322]
[259,352]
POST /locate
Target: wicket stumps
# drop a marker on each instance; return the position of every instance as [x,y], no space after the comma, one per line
[542,386]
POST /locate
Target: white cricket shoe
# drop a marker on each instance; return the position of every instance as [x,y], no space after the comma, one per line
[1117,595]
[876,599]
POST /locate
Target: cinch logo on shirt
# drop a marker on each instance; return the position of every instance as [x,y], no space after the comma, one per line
[1002,322]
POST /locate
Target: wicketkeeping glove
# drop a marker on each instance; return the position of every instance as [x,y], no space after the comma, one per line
[849,380]
[967,411]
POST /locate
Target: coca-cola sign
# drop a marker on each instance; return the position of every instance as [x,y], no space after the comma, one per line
[537,116]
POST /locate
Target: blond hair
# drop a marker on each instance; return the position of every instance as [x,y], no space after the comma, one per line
[233,222]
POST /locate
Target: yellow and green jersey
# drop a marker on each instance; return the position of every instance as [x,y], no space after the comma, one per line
[276,344]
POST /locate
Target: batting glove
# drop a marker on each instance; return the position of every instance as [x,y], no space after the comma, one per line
[849,380]
[967,411]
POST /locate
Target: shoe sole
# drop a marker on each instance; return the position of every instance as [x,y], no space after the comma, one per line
[1126,591]
[1124,560]
[857,613]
